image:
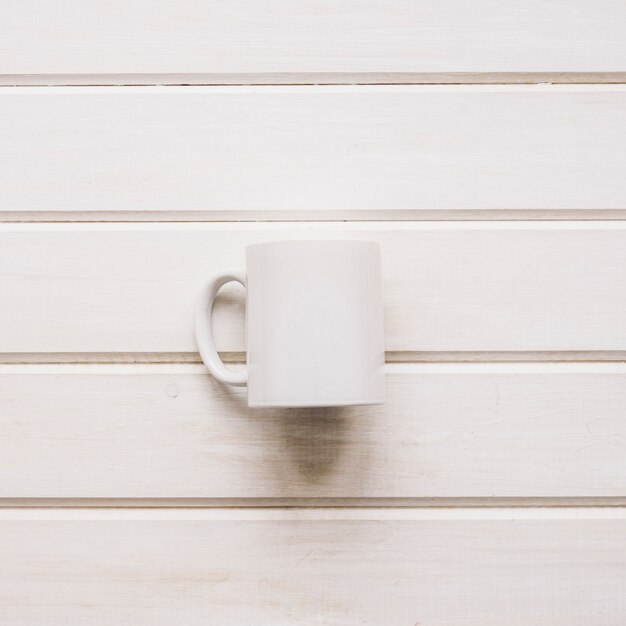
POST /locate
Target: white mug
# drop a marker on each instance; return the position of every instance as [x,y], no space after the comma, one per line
[314,324]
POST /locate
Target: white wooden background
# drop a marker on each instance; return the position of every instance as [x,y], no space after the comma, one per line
[144,145]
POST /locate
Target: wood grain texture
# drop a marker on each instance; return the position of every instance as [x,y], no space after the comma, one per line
[440,572]
[312,152]
[447,431]
[490,286]
[225,37]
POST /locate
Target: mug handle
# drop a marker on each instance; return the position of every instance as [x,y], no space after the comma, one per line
[204,330]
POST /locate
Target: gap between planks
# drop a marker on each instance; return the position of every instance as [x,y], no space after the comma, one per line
[314,513]
[322,215]
[552,361]
[309,78]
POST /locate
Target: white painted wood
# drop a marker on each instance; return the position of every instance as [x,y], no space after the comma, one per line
[172,432]
[225,37]
[312,152]
[311,513]
[440,572]
[448,286]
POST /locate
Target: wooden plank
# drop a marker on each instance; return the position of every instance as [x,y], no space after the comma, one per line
[152,432]
[448,286]
[313,513]
[278,36]
[333,571]
[313,152]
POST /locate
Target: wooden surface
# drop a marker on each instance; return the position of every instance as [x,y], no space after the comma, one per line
[276,37]
[531,286]
[462,431]
[199,568]
[353,152]
[134,489]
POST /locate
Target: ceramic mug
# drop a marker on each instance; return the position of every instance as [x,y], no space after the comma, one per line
[314,324]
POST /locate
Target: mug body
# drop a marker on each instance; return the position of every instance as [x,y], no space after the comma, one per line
[315,324]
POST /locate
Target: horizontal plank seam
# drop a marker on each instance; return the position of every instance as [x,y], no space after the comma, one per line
[416,368]
[309,78]
[318,502]
[52,358]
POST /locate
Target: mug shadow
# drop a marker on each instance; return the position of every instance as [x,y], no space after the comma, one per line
[308,444]
[313,438]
